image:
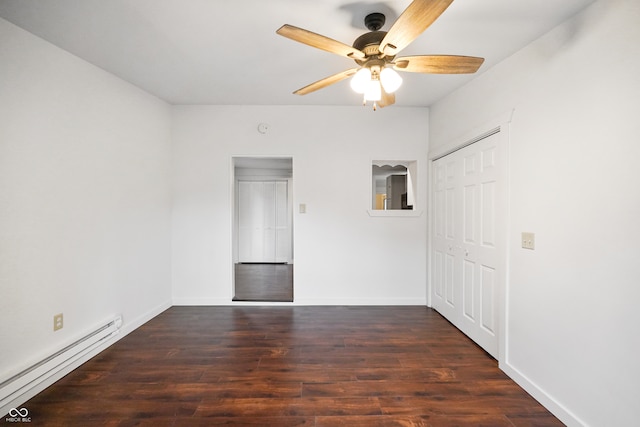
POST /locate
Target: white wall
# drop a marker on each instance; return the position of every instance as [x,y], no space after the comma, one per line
[572,336]
[342,255]
[84,199]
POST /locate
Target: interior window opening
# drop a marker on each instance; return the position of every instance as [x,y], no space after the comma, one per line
[394,185]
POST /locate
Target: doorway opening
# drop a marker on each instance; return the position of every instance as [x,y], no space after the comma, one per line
[263,229]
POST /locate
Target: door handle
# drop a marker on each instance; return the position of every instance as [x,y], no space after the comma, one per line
[462,249]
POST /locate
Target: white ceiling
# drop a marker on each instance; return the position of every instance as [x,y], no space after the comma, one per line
[226,52]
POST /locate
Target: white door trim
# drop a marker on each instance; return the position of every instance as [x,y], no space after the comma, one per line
[233,217]
[500,122]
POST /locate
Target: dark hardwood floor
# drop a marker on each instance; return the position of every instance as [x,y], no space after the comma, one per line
[290,366]
[264,282]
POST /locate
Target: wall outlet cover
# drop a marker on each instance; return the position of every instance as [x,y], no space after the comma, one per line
[58,322]
[528,240]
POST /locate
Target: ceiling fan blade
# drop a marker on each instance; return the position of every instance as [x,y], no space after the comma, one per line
[439,64]
[411,23]
[319,41]
[387,99]
[326,82]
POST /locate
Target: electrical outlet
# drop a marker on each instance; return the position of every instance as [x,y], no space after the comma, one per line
[528,241]
[57,322]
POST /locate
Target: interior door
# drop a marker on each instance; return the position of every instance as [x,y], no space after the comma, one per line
[282,222]
[264,233]
[468,244]
[445,238]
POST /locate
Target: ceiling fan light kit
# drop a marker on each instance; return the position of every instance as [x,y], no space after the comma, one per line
[390,79]
[370,81]
[360,79]
[375,53]
[373,92]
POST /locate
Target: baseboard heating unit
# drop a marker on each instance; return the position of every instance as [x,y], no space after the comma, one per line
[24,385]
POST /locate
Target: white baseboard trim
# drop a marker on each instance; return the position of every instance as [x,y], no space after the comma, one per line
[555,407]
[201,301]
[302,301]
[361,301]
[41,383]
[129,327]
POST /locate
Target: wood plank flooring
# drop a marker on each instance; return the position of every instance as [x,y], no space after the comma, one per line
[290,366]
[264,282]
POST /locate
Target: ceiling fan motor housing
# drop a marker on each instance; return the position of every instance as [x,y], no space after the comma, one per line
[369,44]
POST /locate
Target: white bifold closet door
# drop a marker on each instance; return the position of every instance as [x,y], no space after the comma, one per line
[468,253]
[264,233]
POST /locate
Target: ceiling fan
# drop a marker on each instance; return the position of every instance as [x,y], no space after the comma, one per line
[375,53]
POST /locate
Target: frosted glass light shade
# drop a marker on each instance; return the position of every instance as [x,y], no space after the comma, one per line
[390,80]
[360,80]
[374,91]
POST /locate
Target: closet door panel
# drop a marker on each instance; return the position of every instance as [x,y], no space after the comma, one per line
[264,231]
[469,197]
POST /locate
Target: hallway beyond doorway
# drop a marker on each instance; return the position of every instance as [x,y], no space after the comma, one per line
[264,282]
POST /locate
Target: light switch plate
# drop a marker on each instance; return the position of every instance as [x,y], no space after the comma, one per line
[528,241]
[303,208]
